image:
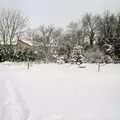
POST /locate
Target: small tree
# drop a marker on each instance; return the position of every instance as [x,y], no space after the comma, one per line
[77,55]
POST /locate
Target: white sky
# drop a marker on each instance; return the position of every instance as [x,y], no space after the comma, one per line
[59,12]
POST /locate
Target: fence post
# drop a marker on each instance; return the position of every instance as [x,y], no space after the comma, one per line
[98,66]
[28,64]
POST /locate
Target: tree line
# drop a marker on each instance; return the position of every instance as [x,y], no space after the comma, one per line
[96,35]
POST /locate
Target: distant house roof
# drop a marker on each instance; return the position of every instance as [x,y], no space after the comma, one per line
[23,41]
[26,42]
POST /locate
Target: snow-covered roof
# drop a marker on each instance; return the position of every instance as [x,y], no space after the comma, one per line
[28,42]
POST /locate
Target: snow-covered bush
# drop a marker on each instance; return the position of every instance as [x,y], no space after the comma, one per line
[77,55]
[60,60]
[11,53]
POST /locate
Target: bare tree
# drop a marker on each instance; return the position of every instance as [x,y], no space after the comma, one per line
[90,26]
[118,26]
[43,36]
[12,22]
[107,25]
[73,30]
[109,29]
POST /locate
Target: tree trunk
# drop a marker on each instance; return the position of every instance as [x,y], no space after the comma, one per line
[91,38]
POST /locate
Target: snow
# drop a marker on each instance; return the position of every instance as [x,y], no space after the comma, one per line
[66,92]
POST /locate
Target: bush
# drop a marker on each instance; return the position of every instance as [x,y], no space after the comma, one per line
[94,55]
[11,53]
[6,53]
[108,59]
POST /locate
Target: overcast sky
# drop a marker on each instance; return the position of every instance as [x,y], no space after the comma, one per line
[59,12]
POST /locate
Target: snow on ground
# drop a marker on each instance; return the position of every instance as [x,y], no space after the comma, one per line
[67,92]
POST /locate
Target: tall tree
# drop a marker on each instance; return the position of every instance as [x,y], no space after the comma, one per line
[90,27]
[107,28]
[107,25]
[75,32]
[43,37]
[118,26]
[12,22]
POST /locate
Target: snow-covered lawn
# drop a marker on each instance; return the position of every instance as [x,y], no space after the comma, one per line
[67,92]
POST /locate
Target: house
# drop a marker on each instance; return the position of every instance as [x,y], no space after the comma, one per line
[22,44]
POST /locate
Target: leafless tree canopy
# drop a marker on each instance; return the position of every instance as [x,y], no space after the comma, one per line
[90,24]
[12,22]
